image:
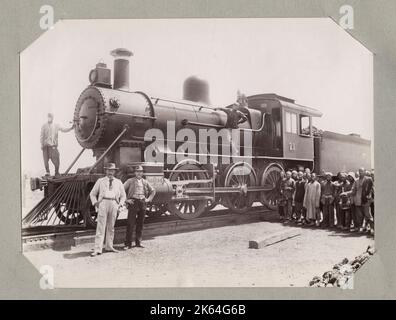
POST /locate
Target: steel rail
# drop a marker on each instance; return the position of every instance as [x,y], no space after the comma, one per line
[44,231]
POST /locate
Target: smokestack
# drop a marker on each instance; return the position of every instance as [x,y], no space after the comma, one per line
[121,68]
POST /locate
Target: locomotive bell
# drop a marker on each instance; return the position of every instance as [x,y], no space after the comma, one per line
[196,89]
[121,68]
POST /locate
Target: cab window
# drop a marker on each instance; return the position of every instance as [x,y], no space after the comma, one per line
[291,122]
[305,125]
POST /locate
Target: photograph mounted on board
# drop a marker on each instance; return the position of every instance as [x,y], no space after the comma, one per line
[197,153]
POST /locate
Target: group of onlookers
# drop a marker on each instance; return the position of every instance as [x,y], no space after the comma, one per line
[345,201]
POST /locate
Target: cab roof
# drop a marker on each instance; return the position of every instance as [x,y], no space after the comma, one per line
[288,103]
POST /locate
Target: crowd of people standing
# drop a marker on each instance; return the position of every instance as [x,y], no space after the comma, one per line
[345,201]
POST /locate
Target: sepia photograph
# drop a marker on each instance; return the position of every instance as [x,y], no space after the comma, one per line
[197,153]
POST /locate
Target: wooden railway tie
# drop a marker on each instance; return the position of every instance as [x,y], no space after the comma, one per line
[273,238]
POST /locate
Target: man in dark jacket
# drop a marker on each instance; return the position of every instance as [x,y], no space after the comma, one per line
[234,116]
[362,194]
[299,198]
[288,188]
[343,202]
[327,200]
[139,192]
[281,199]
[372,202]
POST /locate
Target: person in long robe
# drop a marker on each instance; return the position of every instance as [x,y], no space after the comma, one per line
[312,200]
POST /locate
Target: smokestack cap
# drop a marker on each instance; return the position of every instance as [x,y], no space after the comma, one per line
[121,68]
[121,53]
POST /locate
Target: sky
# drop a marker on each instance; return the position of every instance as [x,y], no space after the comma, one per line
[313,61]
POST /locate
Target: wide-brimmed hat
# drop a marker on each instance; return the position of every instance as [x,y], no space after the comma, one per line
[328,173]
[352,175]
[139,168]
[111,166]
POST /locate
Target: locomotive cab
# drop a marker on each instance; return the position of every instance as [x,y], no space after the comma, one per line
[287,130]
[297,131]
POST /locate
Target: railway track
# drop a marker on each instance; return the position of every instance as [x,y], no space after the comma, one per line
[50,230]
[55,237]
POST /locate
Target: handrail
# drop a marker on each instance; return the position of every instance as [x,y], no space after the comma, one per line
[185,122]
[109,148]
[180,102]
[130,115]
[194,123]
[256,130]
[74,161]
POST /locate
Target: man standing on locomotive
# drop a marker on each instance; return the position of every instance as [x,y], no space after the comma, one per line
[236,115]
[107,195]
[139,192]
[49,143]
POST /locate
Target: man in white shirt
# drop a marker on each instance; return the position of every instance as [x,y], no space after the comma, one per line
[107,195]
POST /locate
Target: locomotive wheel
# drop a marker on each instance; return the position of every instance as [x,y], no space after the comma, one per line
[155,210]
[91,215]
[212,204]
[189,209]
[67,215]
[269,178]
[239,175]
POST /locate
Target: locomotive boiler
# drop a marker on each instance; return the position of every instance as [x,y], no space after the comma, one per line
[103,111]
[233,167]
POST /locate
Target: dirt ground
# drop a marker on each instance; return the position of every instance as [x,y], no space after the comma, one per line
[217,257]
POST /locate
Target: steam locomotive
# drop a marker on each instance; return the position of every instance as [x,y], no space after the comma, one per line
[113,122]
